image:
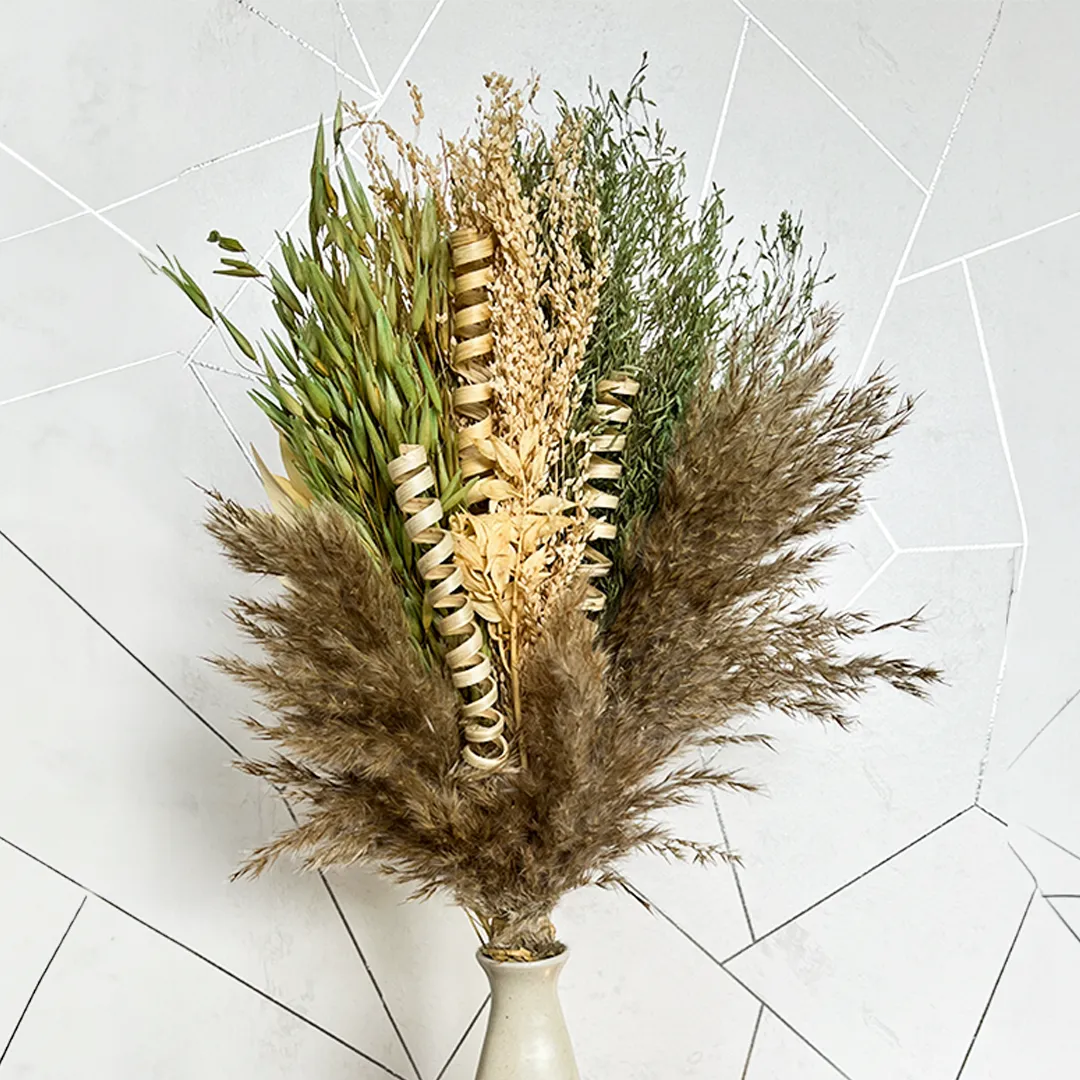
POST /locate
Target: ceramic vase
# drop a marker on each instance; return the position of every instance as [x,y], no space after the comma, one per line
[526,1035]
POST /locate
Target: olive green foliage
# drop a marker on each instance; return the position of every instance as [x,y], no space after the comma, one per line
[352,373]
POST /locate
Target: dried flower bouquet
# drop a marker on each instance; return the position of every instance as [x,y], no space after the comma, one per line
[557,468]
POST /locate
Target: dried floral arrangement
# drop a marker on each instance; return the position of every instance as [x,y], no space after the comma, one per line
[559,469]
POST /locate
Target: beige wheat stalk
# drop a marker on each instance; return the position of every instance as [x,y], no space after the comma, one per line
[544,288]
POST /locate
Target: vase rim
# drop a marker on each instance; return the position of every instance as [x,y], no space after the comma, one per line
[558,960]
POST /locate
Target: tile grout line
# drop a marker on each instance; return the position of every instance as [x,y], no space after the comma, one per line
[889,538]
[999,682]
[1064,921]
[224,417]
[359,48]
[872,580]
[364,960]
[230,154]
[794,1030]
[990,814]
[461,1042]
[185,172]
[734,868]
[1060,847]
[652,907]
[944,549]
[236,374]
[1027,746]
[85,206]
[999,417]
[88,378]
[421,34]
[42,228]
[920,216]
[124,648]
[847,884]
[1018,578]
[1027,869]
[41,979]
[205,959]
[725,106]
[338,69]
[753,1039]
[997,981]
[975,252]
[830,95]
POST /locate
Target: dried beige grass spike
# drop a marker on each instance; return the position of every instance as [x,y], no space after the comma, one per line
[611,413]
[472,253]
[471,671]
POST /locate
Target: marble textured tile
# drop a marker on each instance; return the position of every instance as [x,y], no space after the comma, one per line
[27,201]
[948,479]
[901,71]
[940,916]
[249,197]
[36,907]
[138,93]
[903,769]
[57,324]
[122,455]
[779,1052]
[1030,1026]
[1019,103]
[1023,291]
[120,787]
[1039,788]
[703,901]
[131,1003]
[423,955]
[849,195]
[625,994]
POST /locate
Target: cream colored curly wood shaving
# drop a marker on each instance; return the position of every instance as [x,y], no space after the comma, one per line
[611,413]
[471,671]
[472,252]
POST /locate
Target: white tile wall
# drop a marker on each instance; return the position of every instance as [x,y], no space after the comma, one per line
[908,903]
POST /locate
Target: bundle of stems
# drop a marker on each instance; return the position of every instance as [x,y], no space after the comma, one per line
[559,467]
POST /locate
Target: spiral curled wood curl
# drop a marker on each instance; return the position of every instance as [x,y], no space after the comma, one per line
[472,253]
[471,671]
[611,413]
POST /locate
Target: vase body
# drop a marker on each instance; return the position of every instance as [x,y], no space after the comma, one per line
[526,1034]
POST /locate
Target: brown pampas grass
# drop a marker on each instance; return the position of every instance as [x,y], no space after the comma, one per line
[768,460]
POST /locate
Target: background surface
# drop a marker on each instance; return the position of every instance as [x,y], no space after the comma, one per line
[909,900]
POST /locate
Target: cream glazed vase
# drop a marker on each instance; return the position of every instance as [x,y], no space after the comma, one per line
[526,1033]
